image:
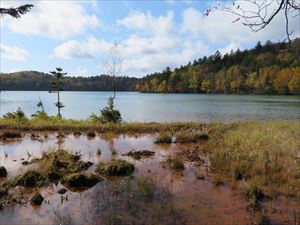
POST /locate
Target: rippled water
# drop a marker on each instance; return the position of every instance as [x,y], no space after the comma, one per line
[136,106]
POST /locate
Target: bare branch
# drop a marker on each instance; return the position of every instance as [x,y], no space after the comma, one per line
[260,16]
[16,12]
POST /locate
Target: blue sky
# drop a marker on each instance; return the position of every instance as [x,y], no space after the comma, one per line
[78,35]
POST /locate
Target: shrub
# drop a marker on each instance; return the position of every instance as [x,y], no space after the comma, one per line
[37,199]
[163,138]
[41,116]
[31,178]
[175,164]
[81,180]
[3,171]
[115,168]
[109,113]
[18,116]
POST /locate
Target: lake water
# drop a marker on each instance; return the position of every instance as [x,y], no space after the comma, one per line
[142,107]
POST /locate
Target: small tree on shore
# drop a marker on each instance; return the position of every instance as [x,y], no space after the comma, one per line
[57,86]
[114,68]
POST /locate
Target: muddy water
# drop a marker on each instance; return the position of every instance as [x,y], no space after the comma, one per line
[195,201]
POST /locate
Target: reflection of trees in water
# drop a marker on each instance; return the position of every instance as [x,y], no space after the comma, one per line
[133,201]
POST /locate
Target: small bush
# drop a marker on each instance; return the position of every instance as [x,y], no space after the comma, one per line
[163,138]
[175,164]
[62,191]
[10,134]
[37,199]
[109,113]
[115,168]
[218,180]
[81,180]
[3,171]
[264,220]
[114,151]
[186,137]
[98,151]
[31,178]
[140,154]
[17,115]
[91,134]
[40,116]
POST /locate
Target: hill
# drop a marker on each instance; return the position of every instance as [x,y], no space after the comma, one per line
[37,81]
[268,69]
[272,68]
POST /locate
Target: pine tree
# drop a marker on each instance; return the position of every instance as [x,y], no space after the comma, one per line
[57,86]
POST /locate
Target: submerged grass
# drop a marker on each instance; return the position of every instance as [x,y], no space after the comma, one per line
[134,201]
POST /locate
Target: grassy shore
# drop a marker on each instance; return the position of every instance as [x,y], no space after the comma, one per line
[263,155]
[71,125]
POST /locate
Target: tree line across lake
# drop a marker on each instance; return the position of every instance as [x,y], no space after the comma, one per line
[271,68]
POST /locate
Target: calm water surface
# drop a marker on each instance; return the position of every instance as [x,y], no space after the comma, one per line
[136,106]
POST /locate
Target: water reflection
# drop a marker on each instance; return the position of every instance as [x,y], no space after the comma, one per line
[160,107]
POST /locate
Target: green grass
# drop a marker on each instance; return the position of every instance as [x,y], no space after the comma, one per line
[175,163]
[163,138]
[55,124]
[264,154]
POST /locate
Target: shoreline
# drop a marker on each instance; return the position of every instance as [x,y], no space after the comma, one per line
[63,124]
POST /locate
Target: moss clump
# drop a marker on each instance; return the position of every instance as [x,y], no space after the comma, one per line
[218,180]
[91,134]
[115,168]
[98,151]
[264,220]
[3,191]
[31,178]
[140,154]
[163,138]
[10,135]
[57,164]
[25,163]
[3,171]
[37,199]
[175,164]
[62,191]
[77,133]
[190,137]
[81,180]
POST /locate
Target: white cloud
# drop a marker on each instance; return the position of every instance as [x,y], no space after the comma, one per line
[184,52]
[232,46]
[136,45]
[47,19]
[147,23]
[218,27]
[13,52]
[88,49]
[192,21]
[72,49]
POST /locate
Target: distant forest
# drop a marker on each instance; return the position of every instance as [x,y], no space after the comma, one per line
[270,68]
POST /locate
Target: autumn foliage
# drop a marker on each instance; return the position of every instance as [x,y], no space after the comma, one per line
[268,69]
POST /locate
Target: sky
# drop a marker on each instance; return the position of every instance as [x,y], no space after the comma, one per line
[151,35]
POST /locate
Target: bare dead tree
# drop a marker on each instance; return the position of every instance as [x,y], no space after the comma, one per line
[114,65]
[262,12]
[16,12]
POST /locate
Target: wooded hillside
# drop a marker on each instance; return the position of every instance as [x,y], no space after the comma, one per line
[271,68]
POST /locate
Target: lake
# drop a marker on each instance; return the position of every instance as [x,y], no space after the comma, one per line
[144,107]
